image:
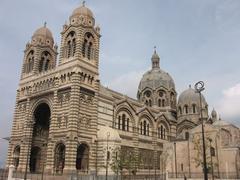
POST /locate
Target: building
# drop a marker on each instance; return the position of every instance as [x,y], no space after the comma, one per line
[66,121]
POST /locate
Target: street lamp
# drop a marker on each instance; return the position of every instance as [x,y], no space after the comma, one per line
[29,125]
[108,156]
[199,87]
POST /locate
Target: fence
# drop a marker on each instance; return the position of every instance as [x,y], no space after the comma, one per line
[76,176]
[197,175]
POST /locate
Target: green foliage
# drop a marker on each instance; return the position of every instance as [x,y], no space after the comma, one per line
[124,160]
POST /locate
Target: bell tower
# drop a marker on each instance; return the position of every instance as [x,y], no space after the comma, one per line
[40,54]
[80,39]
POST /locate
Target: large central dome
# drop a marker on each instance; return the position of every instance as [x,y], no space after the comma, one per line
[157,85]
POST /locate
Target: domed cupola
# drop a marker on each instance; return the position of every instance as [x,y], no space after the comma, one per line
[43,36]
[157,87]
[82,15]
[189,106]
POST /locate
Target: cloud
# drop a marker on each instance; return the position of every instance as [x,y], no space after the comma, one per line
[127,83]
[229,105]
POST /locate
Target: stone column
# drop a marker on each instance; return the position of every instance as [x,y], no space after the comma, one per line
[11,145]
[72,140]
[50,146]
[93,148]
[26,139]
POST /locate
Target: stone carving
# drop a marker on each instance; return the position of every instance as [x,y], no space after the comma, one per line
[84,121]
[86,99]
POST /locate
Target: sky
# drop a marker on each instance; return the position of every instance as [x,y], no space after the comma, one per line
[196,40]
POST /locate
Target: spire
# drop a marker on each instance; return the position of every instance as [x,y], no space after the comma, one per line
[45,24]
[155,59]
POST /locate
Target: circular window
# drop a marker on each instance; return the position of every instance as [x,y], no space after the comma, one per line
[161,94]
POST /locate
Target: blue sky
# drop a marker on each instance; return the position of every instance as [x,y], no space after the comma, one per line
[196,40]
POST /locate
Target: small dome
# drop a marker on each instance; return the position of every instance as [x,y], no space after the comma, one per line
[190,97]
[43,35]
[106,132]
[44,32]
[214,113]
[82,10]
[82,15]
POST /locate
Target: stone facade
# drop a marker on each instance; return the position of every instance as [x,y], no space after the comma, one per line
[65,121]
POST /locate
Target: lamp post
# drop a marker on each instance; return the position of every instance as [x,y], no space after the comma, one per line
[199,87]
[29,125]
[108,155]
[211,154]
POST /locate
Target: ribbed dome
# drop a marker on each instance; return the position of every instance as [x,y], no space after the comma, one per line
[44,32]
[82,10]
[156,78]
[189,96]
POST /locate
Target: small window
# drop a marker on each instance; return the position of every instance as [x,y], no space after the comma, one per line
[194,108]
[186,109]
[186,135]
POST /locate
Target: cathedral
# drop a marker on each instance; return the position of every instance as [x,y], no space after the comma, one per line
[66,121]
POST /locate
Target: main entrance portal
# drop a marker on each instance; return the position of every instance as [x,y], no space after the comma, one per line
[38,155]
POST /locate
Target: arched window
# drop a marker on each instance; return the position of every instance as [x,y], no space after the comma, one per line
[186,135]
[16,156]
[180,110]
[119,122]
[147,96]
[162,132]
[87,47]
[59,158]
[172,99]
[28,67]
[194,108]
[186,109]
[45,60]
[123,122]
[70,48]
[145,127]
[162,98]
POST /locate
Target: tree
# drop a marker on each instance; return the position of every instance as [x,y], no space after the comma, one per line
[125,159]
[197,142]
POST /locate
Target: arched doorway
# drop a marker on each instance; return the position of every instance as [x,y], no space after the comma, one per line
[16,155]
[59,159]
[82,158]
[38,155]
[35,159]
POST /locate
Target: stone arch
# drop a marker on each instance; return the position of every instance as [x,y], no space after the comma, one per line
[70,44]
[46,61]
[16,155]
[41,115]
[46,100]
[35,159]
[59,157]
[185,125]
[123,109]
[29,61]
[163,128]
[82,158]
[88,45]
[146,125]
